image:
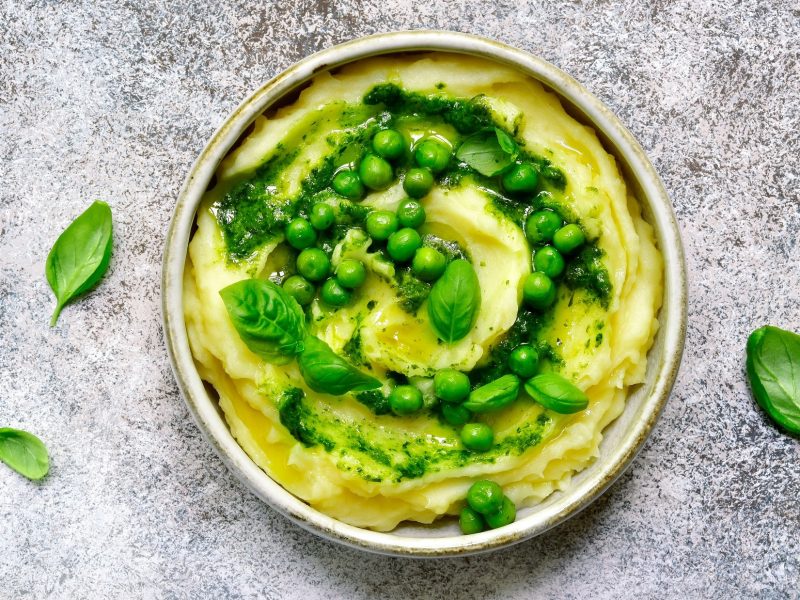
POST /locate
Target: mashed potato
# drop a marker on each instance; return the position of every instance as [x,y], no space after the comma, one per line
[376,470]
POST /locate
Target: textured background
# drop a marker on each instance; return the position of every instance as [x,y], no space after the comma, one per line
[116,99]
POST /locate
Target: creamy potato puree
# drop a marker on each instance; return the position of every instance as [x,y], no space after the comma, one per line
[601,345]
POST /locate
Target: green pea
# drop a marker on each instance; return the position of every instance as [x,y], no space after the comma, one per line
[334,294]
[432,154]
[300,234]
[470,521]
[388,144]
[351,273]
[541,226]
[569,238]
[403,244]
[381,224]
[348,184]
[451,385]
[405,400]
[521,178]
[300,289]
[411,213]
[428,263]
[321,216]
[477,437]
[524,361]
[538,290]
[485,497]
[505,516]
[313,264]
[549,261]
[375,172]
[418,182]
[455,414]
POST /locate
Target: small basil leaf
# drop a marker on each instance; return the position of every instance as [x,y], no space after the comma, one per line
[269,321]
[328,373]
[80,256]
[773,368]
[24,452]
[507,143]
[454,301]
[556,393]
[495,394]
[488,152]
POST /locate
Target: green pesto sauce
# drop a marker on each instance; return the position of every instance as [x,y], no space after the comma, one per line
[377,454]
[525,330]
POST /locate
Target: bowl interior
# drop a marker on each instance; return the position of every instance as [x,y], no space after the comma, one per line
[622,438]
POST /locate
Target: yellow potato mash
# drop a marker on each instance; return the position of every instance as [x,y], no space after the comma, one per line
[347,455]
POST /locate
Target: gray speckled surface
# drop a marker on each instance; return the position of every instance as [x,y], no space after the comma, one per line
[116,99]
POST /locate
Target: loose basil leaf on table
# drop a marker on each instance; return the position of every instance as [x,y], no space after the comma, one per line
[454,301]
[24,452]
[80,256]
[326,372]
[269,321]
[488,152]
[556,393]
[773,367]
[494,395]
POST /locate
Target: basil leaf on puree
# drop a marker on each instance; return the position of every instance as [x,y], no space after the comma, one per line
[269,321]
[556,393]
[773,368]
[494,395]
[488,152]
[454,301]
[326,372]
[24,452]
[80,256]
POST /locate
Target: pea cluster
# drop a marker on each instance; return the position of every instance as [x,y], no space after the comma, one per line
[314,266]
[487,506]
[398,230]
[551,239]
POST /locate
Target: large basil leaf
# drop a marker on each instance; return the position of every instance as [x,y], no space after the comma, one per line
[556,393]
[80,256]
[269,321]
[454,301]
[24,452]
[328,373]
[495,394]
[488,152]
[773,367]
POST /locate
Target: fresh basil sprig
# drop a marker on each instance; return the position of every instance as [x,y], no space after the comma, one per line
[326,372]
[773,367]
[269,321]
[272,325]
[80,256]
[454,301]
[556,393]
[493,395]
[24,452]
[488,152]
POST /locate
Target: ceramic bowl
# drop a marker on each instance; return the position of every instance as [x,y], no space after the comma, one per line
[622,439]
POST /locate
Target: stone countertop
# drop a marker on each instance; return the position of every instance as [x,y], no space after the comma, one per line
[114,100]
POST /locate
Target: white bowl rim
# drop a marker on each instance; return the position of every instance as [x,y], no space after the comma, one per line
[206,414]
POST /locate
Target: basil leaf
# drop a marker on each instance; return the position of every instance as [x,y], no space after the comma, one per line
[328,373]
[556,393]
[495,394]
[269,321]
[24,452]
[773,367]
[80,256]
[454,301]
[488,152]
